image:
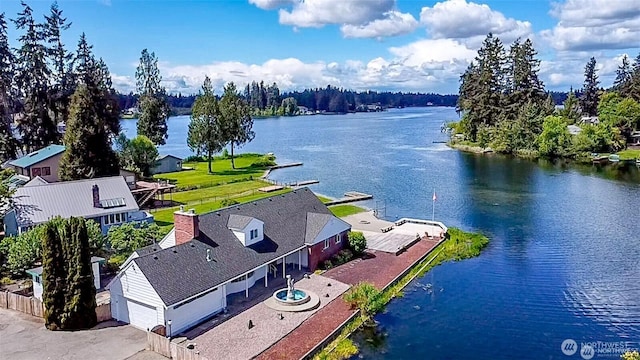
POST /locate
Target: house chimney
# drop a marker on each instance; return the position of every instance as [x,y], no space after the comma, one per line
[96,196]
[186,225]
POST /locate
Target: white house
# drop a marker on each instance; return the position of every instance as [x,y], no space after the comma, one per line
[36,276]
[187,277]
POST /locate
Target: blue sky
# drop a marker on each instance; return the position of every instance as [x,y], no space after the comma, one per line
[406,45]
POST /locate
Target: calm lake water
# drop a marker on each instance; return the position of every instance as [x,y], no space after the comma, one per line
[563,261]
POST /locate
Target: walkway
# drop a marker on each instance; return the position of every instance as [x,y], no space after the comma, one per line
[380,268]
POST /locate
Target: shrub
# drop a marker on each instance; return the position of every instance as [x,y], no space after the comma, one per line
[264,161]
[228,202]
[194,158]
[342,257]
[357,242]
[6,281]
[327,264]
[225,153]
[365,297]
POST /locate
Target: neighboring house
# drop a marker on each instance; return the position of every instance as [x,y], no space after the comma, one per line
[187,277]
[635,138]
[130,177]
[166,164]
[108,201]
[36,276]
[43,163]
[591,120]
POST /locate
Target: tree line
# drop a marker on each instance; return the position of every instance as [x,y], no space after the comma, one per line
[505,106]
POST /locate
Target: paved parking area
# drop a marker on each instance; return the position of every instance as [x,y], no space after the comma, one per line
[25,337]
[234,340]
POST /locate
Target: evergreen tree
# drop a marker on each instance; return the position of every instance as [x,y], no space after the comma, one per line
[525,84]
[590,97]
[36,126]
[54,271]
[61,64]
[633,88]
[205,129]
[80,299]
[623,76]
[154,108]
[236,119]
[8,143]
[93,121]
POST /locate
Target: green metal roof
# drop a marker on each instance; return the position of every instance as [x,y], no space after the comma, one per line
[38,156]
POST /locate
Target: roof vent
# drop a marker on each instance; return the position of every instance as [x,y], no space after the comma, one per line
[192,211]
[181,208]
[155,257]
[174,251]
[208,255]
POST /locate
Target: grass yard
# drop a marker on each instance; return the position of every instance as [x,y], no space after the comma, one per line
[324,199]
[222,172]
[346,210]
[629,154]
[164,217]
[207,193]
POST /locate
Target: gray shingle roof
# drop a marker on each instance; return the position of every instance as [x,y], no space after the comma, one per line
[315,223]
[39,203]
[180,272]
[238,222]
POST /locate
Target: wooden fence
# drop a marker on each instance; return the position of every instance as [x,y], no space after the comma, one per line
[165,347]
[34,307]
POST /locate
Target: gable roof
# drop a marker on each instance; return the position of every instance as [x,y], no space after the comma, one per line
[315,223]
[238,222]
[161,157]
[182,271]
[36,181]
[38,156]
[39,203]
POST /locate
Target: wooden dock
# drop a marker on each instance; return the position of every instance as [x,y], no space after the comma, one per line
[282,166]
[268,189]
[349,197]
[305,183]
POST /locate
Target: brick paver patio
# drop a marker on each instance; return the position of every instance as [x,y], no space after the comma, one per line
[380,269]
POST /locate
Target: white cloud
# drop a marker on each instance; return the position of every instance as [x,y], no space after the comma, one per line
[317,13]
[357,18]
[424,65]
[568,70]
[394,23]
[460,19]
[595,25]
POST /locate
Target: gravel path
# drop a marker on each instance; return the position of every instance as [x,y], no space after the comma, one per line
[380,269]
[234,340]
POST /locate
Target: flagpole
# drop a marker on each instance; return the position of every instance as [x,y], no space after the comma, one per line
[433,208]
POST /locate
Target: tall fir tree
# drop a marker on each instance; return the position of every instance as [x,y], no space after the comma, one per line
[53,275]
[236,119]
[590,96]
[8,143]
[36,126]
[623,76]
[154,108]
[61,64]
[93,121]
[633,89]
[526,86]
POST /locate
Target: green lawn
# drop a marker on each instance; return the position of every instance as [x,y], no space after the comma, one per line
[222,172]
[346,210]
[323,198]
[629,154]
[164,217]
[220,191]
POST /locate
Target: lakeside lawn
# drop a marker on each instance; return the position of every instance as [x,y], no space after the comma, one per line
[219,191]
[345,210]
[324,199]
[222,172]
[629,154]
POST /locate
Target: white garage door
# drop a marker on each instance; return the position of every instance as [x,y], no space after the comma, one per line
[142,316]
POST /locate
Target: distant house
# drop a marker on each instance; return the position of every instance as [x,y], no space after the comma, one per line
[130,177]
[36,276]
[188,276]
[574,130]
[591,120]
[635,138]
[167,163]
[43,163]
[108,201]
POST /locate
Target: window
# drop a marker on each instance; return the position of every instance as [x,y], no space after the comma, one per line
[46,171]
[254,234]
[115,218]
[338,239]
[37,279]
[35,172]
[327,242]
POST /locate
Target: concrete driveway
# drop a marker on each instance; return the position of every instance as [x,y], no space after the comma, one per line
[25,337]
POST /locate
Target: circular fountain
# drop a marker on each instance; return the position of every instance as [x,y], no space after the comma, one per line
[292,299]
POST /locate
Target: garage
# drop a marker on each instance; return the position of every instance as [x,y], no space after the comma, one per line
[193,311]
[139,315]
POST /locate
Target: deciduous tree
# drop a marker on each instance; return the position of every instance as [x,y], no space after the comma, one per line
[236,119]
[206,133]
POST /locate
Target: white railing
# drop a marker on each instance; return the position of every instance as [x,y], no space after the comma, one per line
[424,222]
